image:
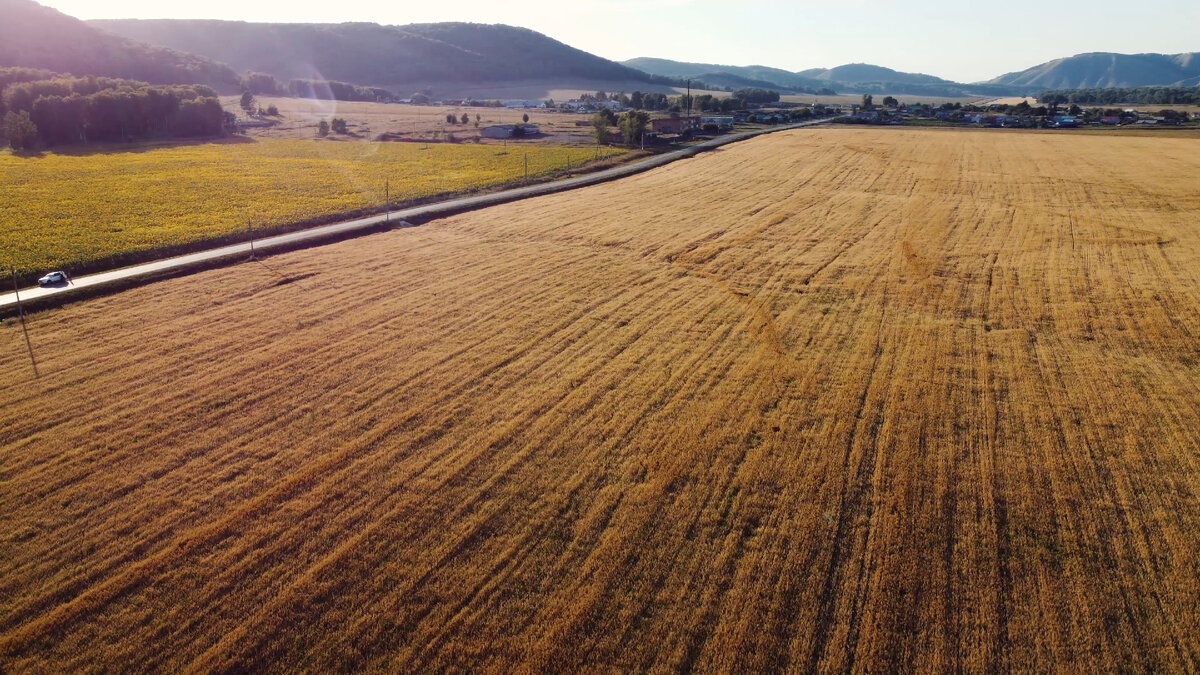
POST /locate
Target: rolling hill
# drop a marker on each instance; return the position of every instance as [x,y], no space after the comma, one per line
[711,73]
[1101,69]
[850,78]
[34,36]
[864,72]
[386,56]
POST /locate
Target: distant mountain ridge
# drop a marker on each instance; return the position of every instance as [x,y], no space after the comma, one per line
[849,78]
[496,58]
[1105,70]
[34,36]
[377,55]
[708,71]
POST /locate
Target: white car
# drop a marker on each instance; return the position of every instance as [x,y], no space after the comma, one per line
[53,278]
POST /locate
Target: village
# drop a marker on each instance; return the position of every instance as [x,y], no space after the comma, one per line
[671,122]
[1019,116]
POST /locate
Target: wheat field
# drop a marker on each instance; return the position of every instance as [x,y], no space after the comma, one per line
[842,400]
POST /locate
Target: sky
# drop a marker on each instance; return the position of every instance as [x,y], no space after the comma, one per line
[960,40]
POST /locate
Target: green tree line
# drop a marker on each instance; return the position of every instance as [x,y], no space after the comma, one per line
[65,110]
[738,100]
[332,90]
[1123,95]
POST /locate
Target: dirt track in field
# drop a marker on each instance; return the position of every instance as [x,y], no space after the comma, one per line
[831,400]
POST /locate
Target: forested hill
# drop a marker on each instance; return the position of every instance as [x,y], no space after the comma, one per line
[371,54]
[34,36]
[1101,69]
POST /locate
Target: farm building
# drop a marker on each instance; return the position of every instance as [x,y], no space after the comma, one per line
[722,123]
[674,125]
[509,130]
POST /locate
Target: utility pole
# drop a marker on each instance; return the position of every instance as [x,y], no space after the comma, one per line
[21,311]
[250,229]
[387,200]
[526,166]
[689,109]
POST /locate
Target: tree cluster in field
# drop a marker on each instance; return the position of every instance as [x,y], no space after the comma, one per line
[1119,96]
[250,105]
[337,125]
[638,100]
[262,84]
[739,100]
[632,124]
[265,84]
[329,90]
[63,110]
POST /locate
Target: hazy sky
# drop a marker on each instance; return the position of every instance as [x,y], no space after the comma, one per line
[963,40]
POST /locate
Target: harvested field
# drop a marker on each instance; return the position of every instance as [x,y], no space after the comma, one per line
[298,119]
[847,399]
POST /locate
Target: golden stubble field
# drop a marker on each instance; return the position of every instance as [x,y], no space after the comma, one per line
[298,118]
[829,400]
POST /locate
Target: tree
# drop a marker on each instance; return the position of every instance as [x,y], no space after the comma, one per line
[600,124]
[260,83]
[323,128]
[451,119]
[272,110]
[466,119]
[477,119]
[755,95]
[868,101]
[890,102]
[525,118]
[338,125]
[633,126]
[20,130]
[248,102]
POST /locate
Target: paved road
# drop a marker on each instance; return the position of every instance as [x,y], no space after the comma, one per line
[92,282]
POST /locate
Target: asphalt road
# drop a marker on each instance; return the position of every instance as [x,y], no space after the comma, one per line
[93,282]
